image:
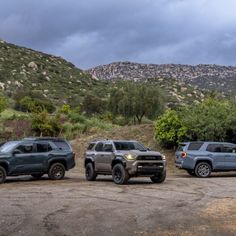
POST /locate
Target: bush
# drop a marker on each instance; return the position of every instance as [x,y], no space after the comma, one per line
[45,125]
[76,117]
[169,129]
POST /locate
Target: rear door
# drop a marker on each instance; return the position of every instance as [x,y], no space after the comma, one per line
[215,152]
[107,156]
[98,156]
[229,151]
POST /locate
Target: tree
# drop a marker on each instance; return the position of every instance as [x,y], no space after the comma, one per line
[45,125]
[169,129]
[135,101]
[208,120]
[93,105]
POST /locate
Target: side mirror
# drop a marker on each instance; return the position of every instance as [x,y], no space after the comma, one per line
[15,152]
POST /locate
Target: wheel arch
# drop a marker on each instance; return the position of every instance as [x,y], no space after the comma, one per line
[118,160]
[89,160]
[5,165]
[204,160]
[61,161]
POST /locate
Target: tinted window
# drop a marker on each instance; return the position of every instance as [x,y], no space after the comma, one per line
[107,147]
[27,148]
[62,145]
[194,146]
[90,146]
[229,148]
[129,146]
[99,147]
[181,147]
[43,147]
[214,148]
[8,146]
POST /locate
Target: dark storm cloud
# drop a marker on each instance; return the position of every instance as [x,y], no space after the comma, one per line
[93,32]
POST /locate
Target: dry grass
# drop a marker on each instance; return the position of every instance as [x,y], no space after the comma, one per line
[143,133]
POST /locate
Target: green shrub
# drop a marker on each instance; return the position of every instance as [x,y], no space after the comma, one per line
[76,117]
[169,129]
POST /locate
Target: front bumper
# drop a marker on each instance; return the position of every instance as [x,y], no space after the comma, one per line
[145,168]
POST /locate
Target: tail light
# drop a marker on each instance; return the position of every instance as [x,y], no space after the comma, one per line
[183,154]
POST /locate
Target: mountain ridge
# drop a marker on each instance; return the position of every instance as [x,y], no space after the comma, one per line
[202,76]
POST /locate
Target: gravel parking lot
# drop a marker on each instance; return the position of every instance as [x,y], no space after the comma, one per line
[183,205]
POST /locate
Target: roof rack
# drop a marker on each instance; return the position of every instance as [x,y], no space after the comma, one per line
[43,138]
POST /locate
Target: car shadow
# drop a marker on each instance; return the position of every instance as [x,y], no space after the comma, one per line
[132,181]
[213,175]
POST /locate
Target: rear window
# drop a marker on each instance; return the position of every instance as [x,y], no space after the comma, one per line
[62,145]
[181,147]
[194,146]
[90,146]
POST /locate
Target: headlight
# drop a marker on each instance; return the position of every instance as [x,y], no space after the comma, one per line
[129,157]
[163,157]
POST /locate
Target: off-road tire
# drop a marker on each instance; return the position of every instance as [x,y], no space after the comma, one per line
[3,174]
[203,170]
[90,173]
[158,178]
[37,176]
[56,171]
[119,174]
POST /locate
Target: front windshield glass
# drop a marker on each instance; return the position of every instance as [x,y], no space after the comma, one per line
[9,146]
[122,146]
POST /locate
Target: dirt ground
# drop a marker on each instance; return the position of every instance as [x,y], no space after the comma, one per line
[182,205]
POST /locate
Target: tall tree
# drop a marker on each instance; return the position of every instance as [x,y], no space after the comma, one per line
[134,100]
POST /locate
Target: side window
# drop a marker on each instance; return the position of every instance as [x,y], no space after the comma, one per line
[90,146]
[62,145]
[99,147]
[194,146]
[43,147]
[27,148]
[214,148]
[107,147]
[229,149]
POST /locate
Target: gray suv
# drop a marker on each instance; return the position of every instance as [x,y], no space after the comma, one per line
[123,159]
[201,158]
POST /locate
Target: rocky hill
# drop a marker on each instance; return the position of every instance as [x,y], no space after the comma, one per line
[25,69]
[206,77]
[60,81]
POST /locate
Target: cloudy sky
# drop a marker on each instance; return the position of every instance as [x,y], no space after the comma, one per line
[94,32]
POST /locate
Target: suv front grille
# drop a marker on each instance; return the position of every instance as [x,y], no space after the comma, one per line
[149,158]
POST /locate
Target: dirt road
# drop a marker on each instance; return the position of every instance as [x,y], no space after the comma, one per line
[183,205]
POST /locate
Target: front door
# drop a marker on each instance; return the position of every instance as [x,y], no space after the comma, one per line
[27,159]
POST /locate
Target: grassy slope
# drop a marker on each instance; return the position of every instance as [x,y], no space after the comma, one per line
[26,69]
[143,133]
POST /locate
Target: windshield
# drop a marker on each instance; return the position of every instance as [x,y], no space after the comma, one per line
[121,146]
[9,146]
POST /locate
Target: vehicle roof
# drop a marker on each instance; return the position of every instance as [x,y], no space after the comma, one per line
[207,142]
[112,140]
[43,138]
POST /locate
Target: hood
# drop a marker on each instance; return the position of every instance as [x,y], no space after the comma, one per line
[140,153]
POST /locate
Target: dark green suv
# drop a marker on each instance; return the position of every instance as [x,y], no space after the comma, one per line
[36,157]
